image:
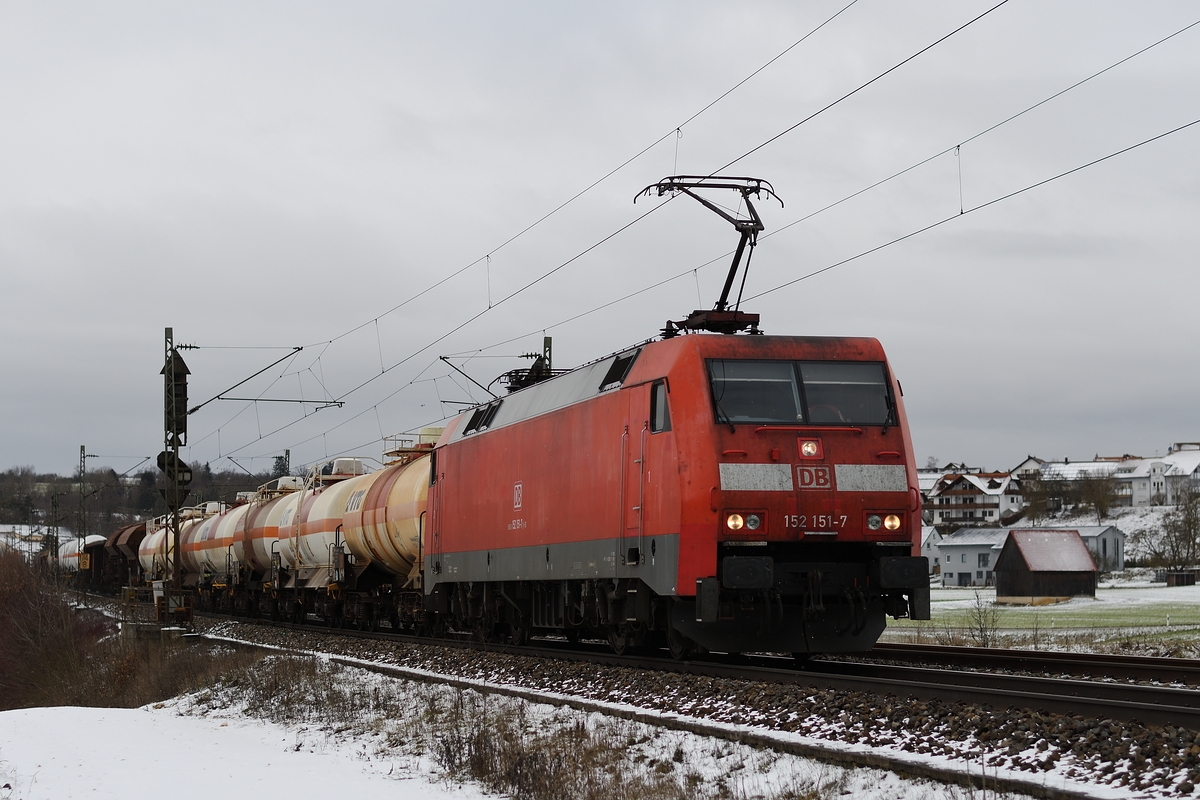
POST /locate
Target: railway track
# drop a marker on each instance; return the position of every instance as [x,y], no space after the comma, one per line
[1149,704]
[1096,665]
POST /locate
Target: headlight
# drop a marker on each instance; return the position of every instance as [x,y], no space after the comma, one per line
[753,521]
[891,522]
[734,522]
[809,449]
[874,521]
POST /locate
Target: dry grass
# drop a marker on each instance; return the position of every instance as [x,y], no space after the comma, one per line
[53,654]
[507,746]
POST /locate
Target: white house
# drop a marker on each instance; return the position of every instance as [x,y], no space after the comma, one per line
[982,498]
[1140,481]
[969,554]
[1160,480]
[930,539]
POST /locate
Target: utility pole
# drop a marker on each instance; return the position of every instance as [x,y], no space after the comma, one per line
[178,474]
[82,474]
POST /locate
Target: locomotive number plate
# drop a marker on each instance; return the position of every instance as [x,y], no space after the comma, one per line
[816,520]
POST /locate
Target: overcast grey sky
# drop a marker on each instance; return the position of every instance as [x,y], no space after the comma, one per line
[283,174]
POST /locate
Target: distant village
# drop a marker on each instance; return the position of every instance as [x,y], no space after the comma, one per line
[1064,518]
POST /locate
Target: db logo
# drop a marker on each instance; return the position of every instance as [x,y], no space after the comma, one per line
[813,478]
[517,495]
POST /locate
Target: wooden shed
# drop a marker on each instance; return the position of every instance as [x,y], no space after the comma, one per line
[1039,567]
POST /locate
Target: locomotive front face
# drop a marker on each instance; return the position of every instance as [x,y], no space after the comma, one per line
[813,512]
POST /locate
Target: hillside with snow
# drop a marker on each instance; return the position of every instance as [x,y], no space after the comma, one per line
[1141,525]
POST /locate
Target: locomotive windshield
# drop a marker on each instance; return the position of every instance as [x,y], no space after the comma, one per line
[812,392]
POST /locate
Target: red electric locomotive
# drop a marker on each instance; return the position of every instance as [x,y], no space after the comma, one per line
[729,492]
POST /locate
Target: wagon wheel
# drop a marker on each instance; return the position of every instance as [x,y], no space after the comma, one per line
[573,635]
[519,631]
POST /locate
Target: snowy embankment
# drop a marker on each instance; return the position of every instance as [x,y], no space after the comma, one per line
[108,753]
[404,739]
[1141,525]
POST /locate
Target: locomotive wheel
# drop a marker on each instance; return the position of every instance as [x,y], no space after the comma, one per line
[619,640]
[679,646]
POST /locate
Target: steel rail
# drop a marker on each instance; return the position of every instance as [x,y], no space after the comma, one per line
[1149,705]
[1147,668]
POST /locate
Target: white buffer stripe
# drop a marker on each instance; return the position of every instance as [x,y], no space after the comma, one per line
[756,478]
[870,477]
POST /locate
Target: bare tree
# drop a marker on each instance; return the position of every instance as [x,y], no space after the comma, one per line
[1179,545]
[1037,494]
[1098,491]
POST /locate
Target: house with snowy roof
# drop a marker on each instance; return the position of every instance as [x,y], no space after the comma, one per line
[1159,480]
[1042,566]
[981,498]
[1106,543]
[968,555]
[930,539]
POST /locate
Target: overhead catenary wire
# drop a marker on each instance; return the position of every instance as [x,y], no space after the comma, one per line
[724,256]
[677,130]
[962,210]
[952,217]
[979,207]
[673,131]
[857,89]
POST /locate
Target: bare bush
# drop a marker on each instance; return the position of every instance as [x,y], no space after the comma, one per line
[53,654]
[983,622]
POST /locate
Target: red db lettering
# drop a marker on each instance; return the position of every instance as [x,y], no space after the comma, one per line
[813,478]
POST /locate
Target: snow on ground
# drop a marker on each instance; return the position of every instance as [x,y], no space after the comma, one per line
[103,753]
[1116,593]
[1140,524]
[213,743]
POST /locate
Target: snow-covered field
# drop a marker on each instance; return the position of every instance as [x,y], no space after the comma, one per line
[218,742]
[111,753]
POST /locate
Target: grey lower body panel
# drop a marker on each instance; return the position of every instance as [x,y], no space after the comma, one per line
[655,562]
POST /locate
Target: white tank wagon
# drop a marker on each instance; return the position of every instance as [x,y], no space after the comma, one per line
[258,530]
[214,546]
[154,549]
[384,519]
[308,528]
[70,550]
[195,530]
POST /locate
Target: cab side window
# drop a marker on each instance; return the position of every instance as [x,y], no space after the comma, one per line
[660,415]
